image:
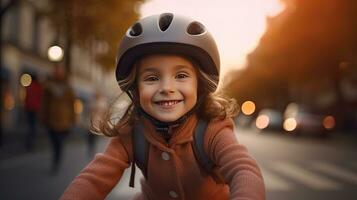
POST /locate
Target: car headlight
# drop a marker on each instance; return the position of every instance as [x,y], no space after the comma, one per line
[290,124]
[262,121]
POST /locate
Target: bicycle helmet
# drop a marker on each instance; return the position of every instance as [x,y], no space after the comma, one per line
[168,33]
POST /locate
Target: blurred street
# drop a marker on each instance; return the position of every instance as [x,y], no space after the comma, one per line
[304,167]
[293,167]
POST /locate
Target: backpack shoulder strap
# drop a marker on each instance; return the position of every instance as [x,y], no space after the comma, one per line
[201,156]
[140,152]
[198,147]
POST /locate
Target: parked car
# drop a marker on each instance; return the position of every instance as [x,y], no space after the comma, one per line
[299,119]
[269,119]
[244,121]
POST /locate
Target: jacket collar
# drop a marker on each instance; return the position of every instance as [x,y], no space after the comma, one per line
[181,134]
[166,128]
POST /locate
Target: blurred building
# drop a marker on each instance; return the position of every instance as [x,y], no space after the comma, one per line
[307,56]
[26,35]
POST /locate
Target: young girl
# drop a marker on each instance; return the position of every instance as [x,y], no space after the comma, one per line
[169,67]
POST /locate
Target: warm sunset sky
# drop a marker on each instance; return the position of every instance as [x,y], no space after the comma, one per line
[237,25]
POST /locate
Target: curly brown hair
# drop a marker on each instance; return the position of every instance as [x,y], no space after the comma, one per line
[212,104]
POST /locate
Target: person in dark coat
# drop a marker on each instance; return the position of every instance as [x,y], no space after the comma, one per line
[58,112]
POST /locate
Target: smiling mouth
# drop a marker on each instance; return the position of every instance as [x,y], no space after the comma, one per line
[168,103]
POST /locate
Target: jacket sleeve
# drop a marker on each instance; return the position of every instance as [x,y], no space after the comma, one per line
[239,169]
[99,177]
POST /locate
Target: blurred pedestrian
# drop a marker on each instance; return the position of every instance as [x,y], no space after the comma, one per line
[58,112]
[32,109]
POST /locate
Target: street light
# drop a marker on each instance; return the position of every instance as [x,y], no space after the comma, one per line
[55,53]
[25,80]
[248,107]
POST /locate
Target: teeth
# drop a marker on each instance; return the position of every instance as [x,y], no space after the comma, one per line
[167,103]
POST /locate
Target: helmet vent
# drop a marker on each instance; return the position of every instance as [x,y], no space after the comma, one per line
[136,30]
[165,21]
[196,28]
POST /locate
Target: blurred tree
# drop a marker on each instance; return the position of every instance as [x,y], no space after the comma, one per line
[307,41]
[95,25]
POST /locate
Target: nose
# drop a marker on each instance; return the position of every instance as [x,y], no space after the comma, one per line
[167,86]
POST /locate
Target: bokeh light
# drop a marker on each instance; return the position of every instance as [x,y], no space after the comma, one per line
[55,53]
[291,110]
[262,121]
[248,107]
[329,122]
[78,106]
[25,80]
[290,124]
[9,102]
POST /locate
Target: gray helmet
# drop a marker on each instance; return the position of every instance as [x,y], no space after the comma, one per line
[168,33]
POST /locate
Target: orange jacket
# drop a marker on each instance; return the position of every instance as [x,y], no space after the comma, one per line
[173,172]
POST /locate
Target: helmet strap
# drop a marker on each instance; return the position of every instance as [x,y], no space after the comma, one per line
[166,128]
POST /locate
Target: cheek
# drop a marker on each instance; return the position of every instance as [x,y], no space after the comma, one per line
[191,91]
[145,94]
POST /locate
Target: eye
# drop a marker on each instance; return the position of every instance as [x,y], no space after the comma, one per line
[181,76]
[151,78]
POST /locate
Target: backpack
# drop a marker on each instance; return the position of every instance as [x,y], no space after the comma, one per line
[141,152]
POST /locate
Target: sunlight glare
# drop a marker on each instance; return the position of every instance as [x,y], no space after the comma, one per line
[237,26]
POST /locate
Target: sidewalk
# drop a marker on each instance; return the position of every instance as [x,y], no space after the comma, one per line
[14,141]
[27,175]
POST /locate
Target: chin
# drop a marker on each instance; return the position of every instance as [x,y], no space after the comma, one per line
[168,119]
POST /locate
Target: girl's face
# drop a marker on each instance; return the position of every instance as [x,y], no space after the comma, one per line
[167,86]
